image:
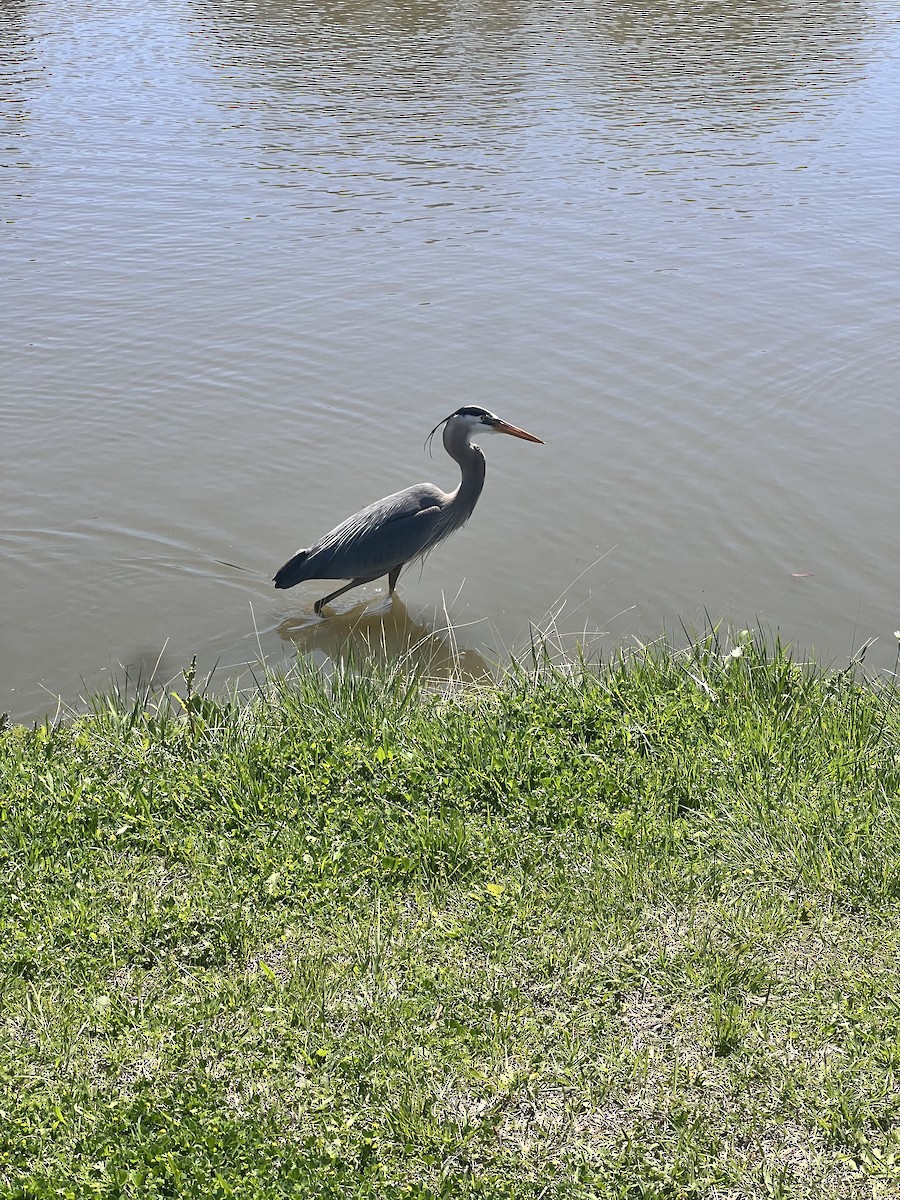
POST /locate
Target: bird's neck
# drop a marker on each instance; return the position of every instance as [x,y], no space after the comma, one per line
[472,467]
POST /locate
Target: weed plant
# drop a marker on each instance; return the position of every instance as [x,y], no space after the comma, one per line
[616,932]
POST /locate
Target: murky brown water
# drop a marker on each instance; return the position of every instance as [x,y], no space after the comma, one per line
[252,252]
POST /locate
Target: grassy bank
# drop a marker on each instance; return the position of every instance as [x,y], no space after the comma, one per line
[620,933]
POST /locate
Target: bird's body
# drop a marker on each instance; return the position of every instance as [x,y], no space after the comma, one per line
[382,538]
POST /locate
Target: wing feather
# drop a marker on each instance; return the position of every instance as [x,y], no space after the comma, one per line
[378,538]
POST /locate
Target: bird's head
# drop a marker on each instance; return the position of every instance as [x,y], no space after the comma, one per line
[470,420]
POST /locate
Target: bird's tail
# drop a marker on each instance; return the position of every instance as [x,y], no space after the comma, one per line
[292,572]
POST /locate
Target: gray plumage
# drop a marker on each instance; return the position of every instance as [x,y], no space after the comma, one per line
[382,538]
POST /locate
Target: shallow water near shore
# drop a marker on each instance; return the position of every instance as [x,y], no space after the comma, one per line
[252,253]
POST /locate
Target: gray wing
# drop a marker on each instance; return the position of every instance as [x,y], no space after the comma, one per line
[380,537]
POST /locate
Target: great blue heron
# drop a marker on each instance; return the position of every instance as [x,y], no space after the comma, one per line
[383,538]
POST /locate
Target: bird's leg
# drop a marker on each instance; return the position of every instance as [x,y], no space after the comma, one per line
[393,577]
[320,604]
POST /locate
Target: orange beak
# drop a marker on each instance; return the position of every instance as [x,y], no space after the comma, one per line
[503,427]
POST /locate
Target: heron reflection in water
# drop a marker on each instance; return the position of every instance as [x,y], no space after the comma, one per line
[389,635]
[382,538]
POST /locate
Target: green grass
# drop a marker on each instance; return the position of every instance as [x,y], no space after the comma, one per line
[620,932]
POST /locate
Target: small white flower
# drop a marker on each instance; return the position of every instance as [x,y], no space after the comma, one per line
[737,652]
[897,634]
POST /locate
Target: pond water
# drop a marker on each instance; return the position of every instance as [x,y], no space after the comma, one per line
[252,252]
